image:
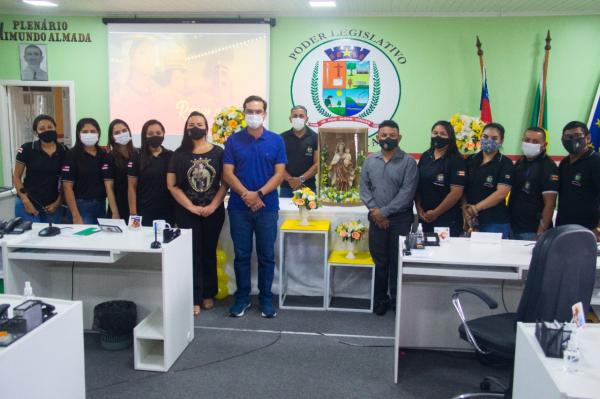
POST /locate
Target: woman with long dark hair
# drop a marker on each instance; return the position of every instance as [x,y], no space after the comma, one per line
[442,176]
[39,195]
[122,150]
[195,181]
[147,177]
[87,176]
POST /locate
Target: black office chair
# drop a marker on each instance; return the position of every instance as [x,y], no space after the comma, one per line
[562,272]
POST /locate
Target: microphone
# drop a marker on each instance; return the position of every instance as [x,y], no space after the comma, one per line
[156,243]
[49,231]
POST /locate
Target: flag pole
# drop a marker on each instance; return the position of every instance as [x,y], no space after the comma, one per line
[544,76]
[480,54]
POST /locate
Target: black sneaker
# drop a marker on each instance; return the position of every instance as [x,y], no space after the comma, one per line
[380,308]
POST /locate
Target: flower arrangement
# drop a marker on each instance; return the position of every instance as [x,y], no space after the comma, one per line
[305,198]
[352,231]
[332,195]
[228,121]
[468,132]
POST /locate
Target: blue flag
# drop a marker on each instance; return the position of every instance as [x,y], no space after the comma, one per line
[594,121]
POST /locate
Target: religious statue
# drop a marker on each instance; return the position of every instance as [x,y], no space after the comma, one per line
[341,174]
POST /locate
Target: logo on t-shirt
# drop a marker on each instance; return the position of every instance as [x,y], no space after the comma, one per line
[489,181]
[309,151]
[201,175]
[577,180]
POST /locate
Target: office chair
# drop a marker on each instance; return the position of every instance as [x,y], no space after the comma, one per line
[561,273]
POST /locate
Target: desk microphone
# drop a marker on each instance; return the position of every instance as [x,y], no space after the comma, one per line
[155,244]
[49,231]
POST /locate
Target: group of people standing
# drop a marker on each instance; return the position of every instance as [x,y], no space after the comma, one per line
[187,187]
[484,192]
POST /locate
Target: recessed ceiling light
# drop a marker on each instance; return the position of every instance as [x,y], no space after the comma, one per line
[40,3]
[322,4]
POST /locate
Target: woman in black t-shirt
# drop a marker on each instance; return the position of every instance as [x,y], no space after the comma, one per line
[147,177]
[87,176]
[441,182]
[194,179]
[122,150]
[38,197]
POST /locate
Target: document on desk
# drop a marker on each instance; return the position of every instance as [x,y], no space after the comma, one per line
[421,253]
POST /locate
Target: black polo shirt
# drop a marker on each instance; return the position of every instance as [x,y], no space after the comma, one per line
[87,172]
[42,172]
[436,176]
[579,191]
[121,185]
[482,181]
[531,179]
[300,154]
[153,196]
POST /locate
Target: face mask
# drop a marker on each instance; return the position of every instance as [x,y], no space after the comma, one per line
[48,136]
[254,121]
[439,142]
[388,144]
[155,141]
[489,145]
[122,138]
[298,123]
[89,139]
[531,150]
[196,133]
[574,145]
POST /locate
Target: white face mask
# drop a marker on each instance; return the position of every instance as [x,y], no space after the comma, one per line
[122,138]
[89,139]
[298,123]
[531,150]
[254,121]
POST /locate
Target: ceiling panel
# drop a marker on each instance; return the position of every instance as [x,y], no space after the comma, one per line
[274,8]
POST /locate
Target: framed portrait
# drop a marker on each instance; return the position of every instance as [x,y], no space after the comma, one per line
[343,152]
[34,61]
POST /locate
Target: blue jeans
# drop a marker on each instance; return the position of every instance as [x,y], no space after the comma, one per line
[525,236]
[41,217]
[90,210]
[244,225]
[503,228]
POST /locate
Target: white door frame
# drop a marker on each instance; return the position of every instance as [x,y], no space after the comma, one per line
[5,123]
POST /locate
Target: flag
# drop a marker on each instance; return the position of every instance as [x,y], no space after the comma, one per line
[594,121]
[484,104]
[537,103]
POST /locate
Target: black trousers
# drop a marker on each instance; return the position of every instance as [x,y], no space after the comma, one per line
[205,237]
[383,245]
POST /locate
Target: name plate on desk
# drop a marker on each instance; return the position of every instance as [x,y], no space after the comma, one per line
[486,238]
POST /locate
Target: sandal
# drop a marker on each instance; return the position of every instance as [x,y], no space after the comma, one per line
[208,303]
[196,310]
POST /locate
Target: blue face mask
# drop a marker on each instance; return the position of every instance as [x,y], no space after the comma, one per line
[489,145]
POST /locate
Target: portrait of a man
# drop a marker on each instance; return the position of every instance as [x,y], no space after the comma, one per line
[34,63]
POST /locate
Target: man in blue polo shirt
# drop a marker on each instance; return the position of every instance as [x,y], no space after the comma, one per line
[254,166]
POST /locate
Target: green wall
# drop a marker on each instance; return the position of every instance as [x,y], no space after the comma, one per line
[440,77]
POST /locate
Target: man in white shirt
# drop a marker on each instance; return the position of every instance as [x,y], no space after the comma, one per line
[34,56]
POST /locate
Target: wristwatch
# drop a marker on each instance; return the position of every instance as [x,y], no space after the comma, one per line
[302,179]
[260,194]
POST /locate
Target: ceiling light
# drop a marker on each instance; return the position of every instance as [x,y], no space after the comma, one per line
[322,4]
[40,3]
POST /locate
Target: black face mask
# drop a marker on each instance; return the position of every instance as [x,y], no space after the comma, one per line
[574,145]
[196,133]
[439,142]
[155,141]
[48,136]
[388,144]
